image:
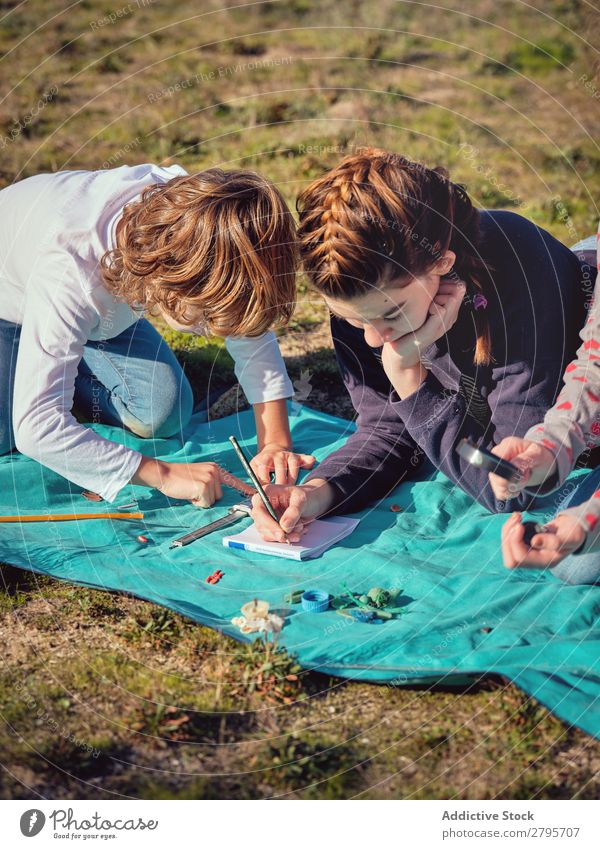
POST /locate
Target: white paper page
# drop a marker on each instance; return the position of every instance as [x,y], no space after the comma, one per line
[321,535]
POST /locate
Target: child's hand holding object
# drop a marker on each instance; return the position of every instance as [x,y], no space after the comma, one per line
[535,462]
[563,536]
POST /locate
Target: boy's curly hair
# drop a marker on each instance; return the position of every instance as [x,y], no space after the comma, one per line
[218,245]
[378,215]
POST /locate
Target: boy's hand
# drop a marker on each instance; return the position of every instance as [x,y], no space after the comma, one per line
[297,506]
[535,463]
[565,535]
[285,463]
[199,483]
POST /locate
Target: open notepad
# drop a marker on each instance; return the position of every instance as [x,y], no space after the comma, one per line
[320,535]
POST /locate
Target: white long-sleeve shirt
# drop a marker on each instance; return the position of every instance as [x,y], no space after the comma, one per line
[54,230]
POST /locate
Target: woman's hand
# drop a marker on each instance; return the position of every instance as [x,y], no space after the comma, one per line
[296,506]
[284,463]
[199,483]
[405,352]
[565,535]
[535,463]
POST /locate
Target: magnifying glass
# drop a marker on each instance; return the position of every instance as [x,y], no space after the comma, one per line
[481,457]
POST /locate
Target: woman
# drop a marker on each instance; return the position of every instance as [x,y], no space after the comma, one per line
[447,322]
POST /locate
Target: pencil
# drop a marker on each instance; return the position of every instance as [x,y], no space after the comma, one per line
[70,517]
[250,472]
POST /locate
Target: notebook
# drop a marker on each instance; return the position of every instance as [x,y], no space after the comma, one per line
[321,535]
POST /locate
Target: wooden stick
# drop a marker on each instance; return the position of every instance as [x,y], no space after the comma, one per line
[70,517]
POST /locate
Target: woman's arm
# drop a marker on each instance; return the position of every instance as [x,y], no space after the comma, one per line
[437,417]
[380,454]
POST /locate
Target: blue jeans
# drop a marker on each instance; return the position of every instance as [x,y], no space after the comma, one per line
[132,381]
[580,568]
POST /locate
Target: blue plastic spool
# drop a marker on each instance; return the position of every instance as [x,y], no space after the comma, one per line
[315,601]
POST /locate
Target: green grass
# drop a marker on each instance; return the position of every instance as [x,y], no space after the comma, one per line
[123,687]
[104,696]
[533,59]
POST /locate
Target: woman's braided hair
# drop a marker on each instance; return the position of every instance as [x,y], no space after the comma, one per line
[377,216]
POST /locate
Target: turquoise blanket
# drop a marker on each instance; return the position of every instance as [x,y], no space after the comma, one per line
[465,613]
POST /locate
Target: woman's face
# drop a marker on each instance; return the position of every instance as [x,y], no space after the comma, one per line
[398,307]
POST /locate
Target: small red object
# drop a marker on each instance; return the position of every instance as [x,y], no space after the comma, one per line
[395,508]
[215,577]
[142,538]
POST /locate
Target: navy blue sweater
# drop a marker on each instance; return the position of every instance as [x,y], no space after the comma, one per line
[535,314]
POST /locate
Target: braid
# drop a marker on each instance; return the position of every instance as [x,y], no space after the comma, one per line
[377,215]
[328,226]
[470,267]
[332,220]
